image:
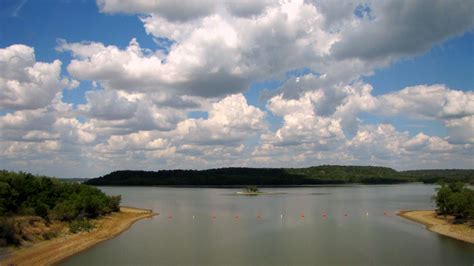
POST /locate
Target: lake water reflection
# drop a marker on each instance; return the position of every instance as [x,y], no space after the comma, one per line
[346,235]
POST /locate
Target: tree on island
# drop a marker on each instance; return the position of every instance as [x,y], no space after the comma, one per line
[252,189]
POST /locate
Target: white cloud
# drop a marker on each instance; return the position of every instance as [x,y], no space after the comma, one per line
[461,130]
[455,109]
[435,101]
[25,83]
[108,105]
[214,56]
[230,121]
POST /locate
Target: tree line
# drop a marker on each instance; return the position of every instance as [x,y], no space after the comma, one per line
[241,176]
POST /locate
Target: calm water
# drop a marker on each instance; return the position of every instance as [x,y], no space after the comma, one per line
[355,239]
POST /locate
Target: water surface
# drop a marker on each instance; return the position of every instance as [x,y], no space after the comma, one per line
[346,235]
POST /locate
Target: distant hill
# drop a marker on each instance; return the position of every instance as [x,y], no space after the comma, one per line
[236,176]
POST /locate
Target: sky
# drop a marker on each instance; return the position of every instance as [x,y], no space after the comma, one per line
[89,87]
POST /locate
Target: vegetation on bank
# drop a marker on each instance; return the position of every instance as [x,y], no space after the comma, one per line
[325,174]
[455,199]
[23,194]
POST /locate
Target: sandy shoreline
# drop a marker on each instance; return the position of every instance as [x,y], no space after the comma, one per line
[440,225]
[58,249]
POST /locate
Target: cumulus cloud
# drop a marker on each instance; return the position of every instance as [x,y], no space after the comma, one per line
[461,130]
[25,83]
[341,103]
[214,56]
[435,101]
[399,28]
[230,121]
[455,109]
[108,105]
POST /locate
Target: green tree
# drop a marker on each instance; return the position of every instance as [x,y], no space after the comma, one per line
[442,199]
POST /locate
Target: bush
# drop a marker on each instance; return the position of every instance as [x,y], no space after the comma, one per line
[65,211]
[41,210]
[80,226]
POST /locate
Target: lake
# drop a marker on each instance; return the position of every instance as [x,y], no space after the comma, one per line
[325,225]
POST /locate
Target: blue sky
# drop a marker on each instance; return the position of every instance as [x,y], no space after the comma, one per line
[440,66]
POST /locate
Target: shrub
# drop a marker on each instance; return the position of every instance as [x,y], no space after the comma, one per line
[114,203]
[80,225]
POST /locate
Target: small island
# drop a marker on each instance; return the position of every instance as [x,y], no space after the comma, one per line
[454,216]
[43,220]
[254,191]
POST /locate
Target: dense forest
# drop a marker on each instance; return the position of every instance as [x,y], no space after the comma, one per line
[325,174]
[457,200]
[23,194]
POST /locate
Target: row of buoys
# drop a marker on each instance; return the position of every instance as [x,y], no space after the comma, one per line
[260,216]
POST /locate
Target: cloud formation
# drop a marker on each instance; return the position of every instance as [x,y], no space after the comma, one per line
[139,112]
[25,83]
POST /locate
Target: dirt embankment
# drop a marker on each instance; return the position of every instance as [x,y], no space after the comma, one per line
[441,225]
[58,249]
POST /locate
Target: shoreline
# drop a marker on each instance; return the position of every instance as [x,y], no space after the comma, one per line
[268,186]
[436,224]
[57,250]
